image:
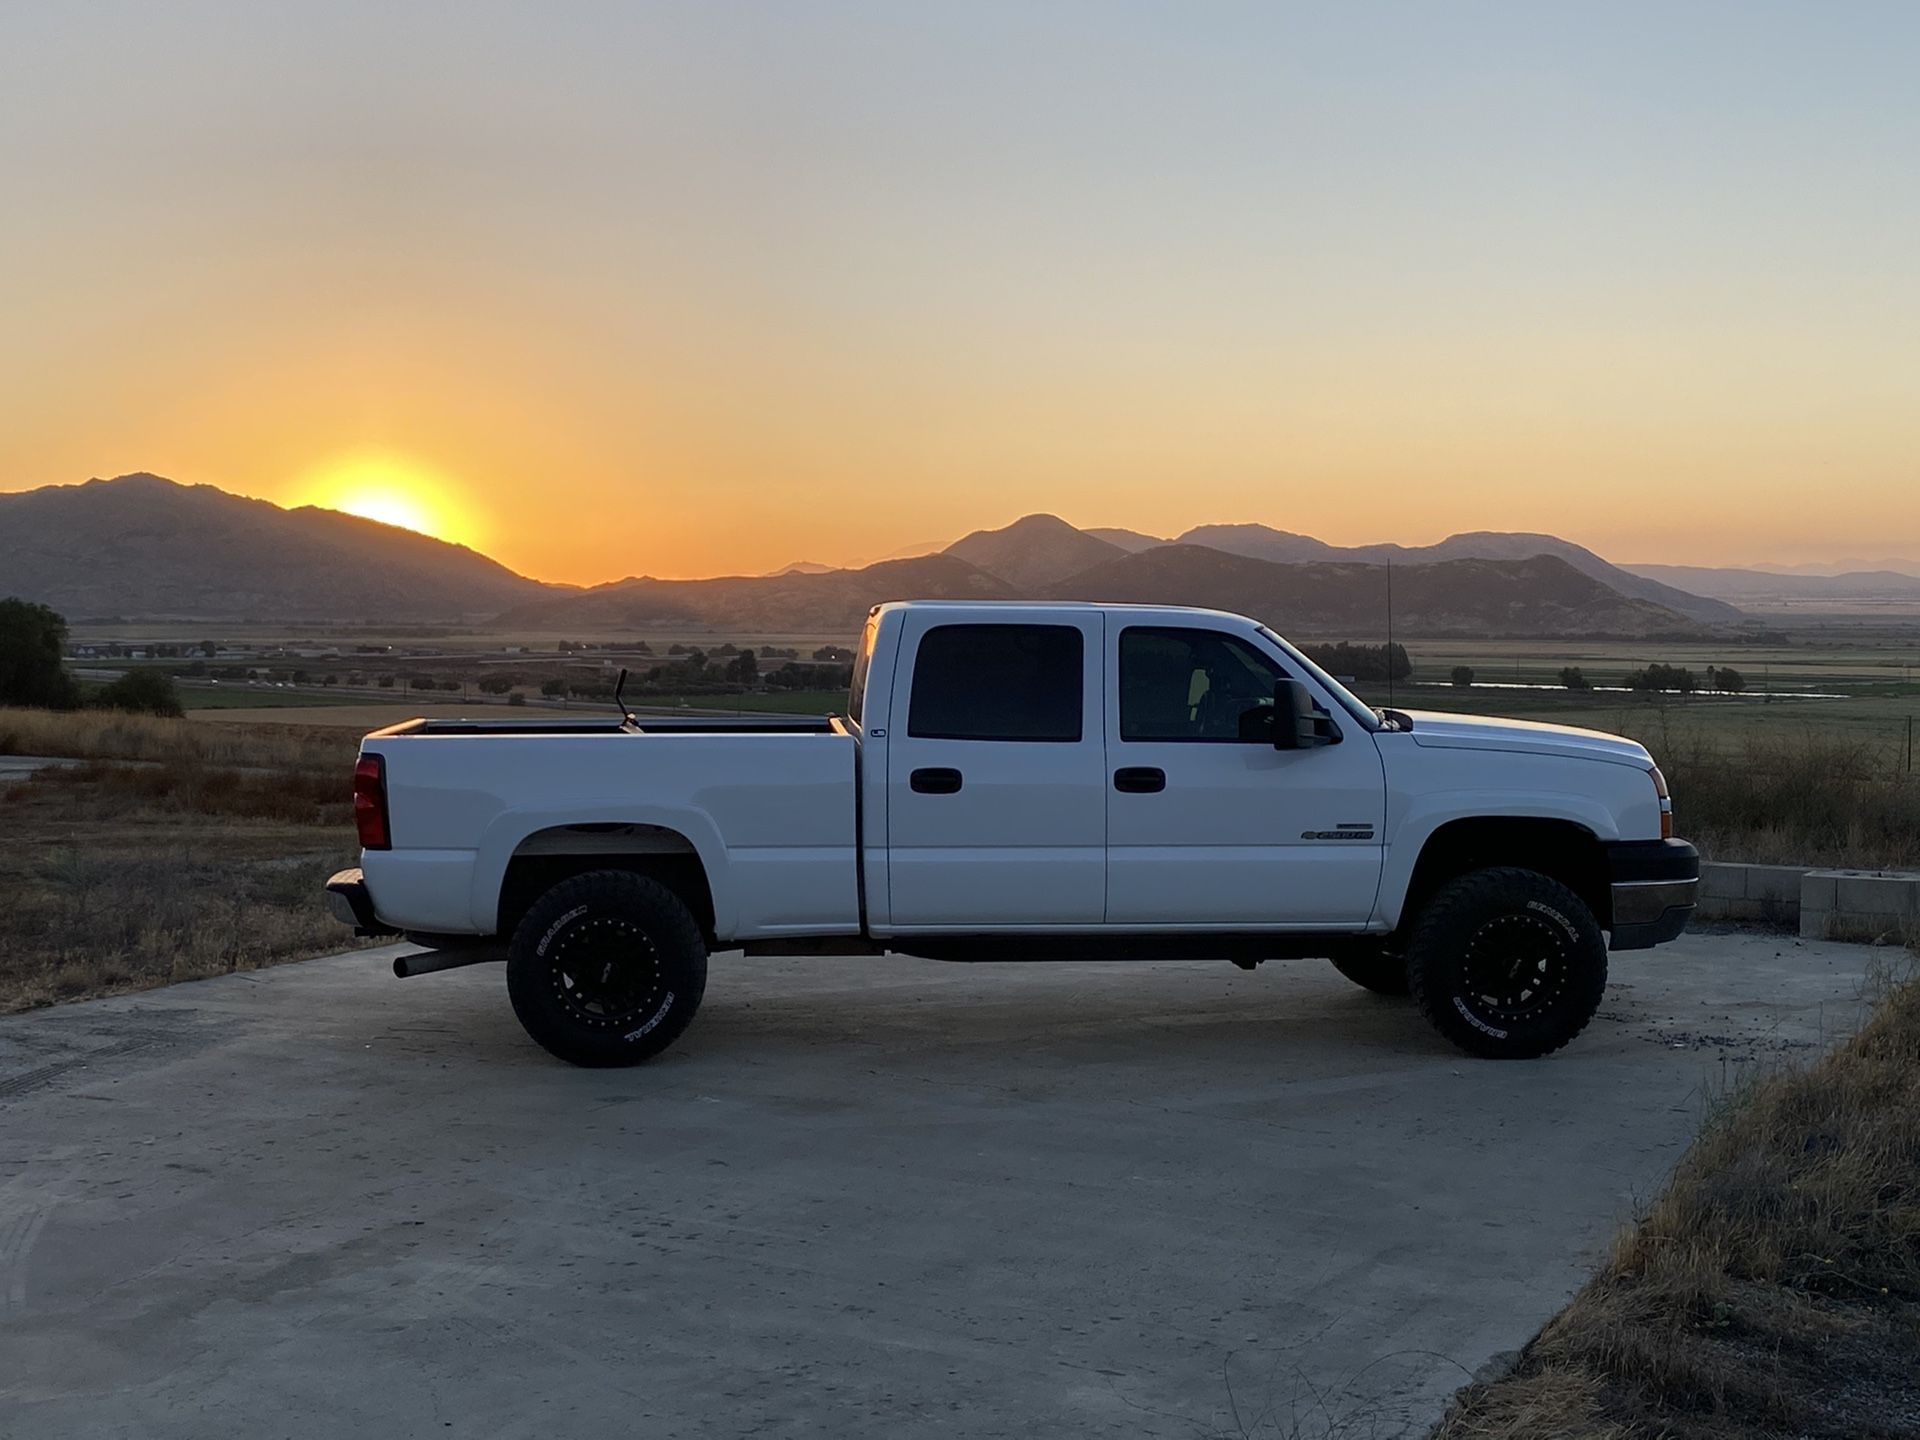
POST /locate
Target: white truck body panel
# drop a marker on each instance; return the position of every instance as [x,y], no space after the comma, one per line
[847,831]
[770,816]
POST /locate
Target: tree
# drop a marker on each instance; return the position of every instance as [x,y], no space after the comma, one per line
[421,682]
[142,692]
[553,687]
[1361,662]
[32,638]
[1463,675]
[1574,678]
[386,682]
[1726,679]
[516,698]
[745,668]
[1663,677]
[497,684]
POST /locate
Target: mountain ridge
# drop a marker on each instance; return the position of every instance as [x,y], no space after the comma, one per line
[142,545]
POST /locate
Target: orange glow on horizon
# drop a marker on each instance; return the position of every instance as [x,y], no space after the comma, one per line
[394,491]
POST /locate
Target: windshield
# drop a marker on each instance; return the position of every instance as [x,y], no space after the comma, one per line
[1350,702]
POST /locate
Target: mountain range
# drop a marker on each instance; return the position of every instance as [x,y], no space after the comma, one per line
[143,546]
[1041,557]
[1768,588]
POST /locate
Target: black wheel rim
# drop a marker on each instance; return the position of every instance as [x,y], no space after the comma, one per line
[1514,969]
[606,973]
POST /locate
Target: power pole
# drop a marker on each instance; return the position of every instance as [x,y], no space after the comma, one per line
[1389,632]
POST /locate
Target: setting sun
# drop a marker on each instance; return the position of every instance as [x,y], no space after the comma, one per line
[394,492]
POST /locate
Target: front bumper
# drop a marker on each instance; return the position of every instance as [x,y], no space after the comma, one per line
[352,904]
[1656,884]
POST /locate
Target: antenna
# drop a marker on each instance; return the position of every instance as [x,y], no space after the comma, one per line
[619,686]
[1389,632]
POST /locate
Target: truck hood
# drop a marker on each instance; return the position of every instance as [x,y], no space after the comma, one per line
[1437,729]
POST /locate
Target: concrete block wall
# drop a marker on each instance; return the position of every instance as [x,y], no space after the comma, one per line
[1859,904]
[1769,893]
[1823,904]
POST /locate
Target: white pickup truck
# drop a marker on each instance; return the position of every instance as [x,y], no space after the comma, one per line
[1026,782]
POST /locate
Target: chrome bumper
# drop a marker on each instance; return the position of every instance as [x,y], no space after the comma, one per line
[351,904]
[1655,887]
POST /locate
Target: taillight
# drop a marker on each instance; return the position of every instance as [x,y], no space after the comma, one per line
[370,803]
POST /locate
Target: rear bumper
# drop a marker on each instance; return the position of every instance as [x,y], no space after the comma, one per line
[352,904]
[1656,884]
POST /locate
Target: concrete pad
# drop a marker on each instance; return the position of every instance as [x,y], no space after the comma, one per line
[861,1198]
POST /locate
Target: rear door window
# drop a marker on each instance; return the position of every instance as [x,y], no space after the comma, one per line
[998,682]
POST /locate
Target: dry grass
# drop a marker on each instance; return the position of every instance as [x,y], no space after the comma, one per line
[1800,799]
[104,735]
[202,856]
[1772,1290]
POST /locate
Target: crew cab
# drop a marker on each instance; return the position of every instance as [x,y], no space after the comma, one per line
[1026,782]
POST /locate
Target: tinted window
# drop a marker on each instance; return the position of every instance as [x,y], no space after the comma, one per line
[997,682]
[1194,685]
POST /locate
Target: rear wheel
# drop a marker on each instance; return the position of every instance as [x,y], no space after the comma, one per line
[607,968]
[1371,967]
[1507,963]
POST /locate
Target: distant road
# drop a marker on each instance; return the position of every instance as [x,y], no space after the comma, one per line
[19,767]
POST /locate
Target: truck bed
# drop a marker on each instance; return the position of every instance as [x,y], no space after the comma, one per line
[768,806]
[609,725]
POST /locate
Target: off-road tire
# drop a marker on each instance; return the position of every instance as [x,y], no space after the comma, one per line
[1506,963]
[607,968]
[1373,967]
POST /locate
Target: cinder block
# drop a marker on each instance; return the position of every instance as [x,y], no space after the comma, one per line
[1817,891]
[1814,923]
[1892,896]
[1723,882]
[1777,884]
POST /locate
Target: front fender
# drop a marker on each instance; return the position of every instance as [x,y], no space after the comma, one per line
[1425,814]
[511,828]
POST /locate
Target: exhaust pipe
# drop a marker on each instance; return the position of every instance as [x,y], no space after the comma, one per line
[426,962]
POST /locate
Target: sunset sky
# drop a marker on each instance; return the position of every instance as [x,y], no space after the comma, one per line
[629,288]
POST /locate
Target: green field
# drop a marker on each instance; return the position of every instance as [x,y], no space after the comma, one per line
[1875,672]
[771,702]
[258,697]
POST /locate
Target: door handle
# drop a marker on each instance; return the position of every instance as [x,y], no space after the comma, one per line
[935,781]
[1139,780]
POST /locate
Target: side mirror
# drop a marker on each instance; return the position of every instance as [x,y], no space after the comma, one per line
[1298,723]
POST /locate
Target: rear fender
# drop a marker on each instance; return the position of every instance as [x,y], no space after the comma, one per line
[509,830]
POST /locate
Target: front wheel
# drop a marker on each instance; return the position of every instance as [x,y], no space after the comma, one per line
[607,968]
[1507,963]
